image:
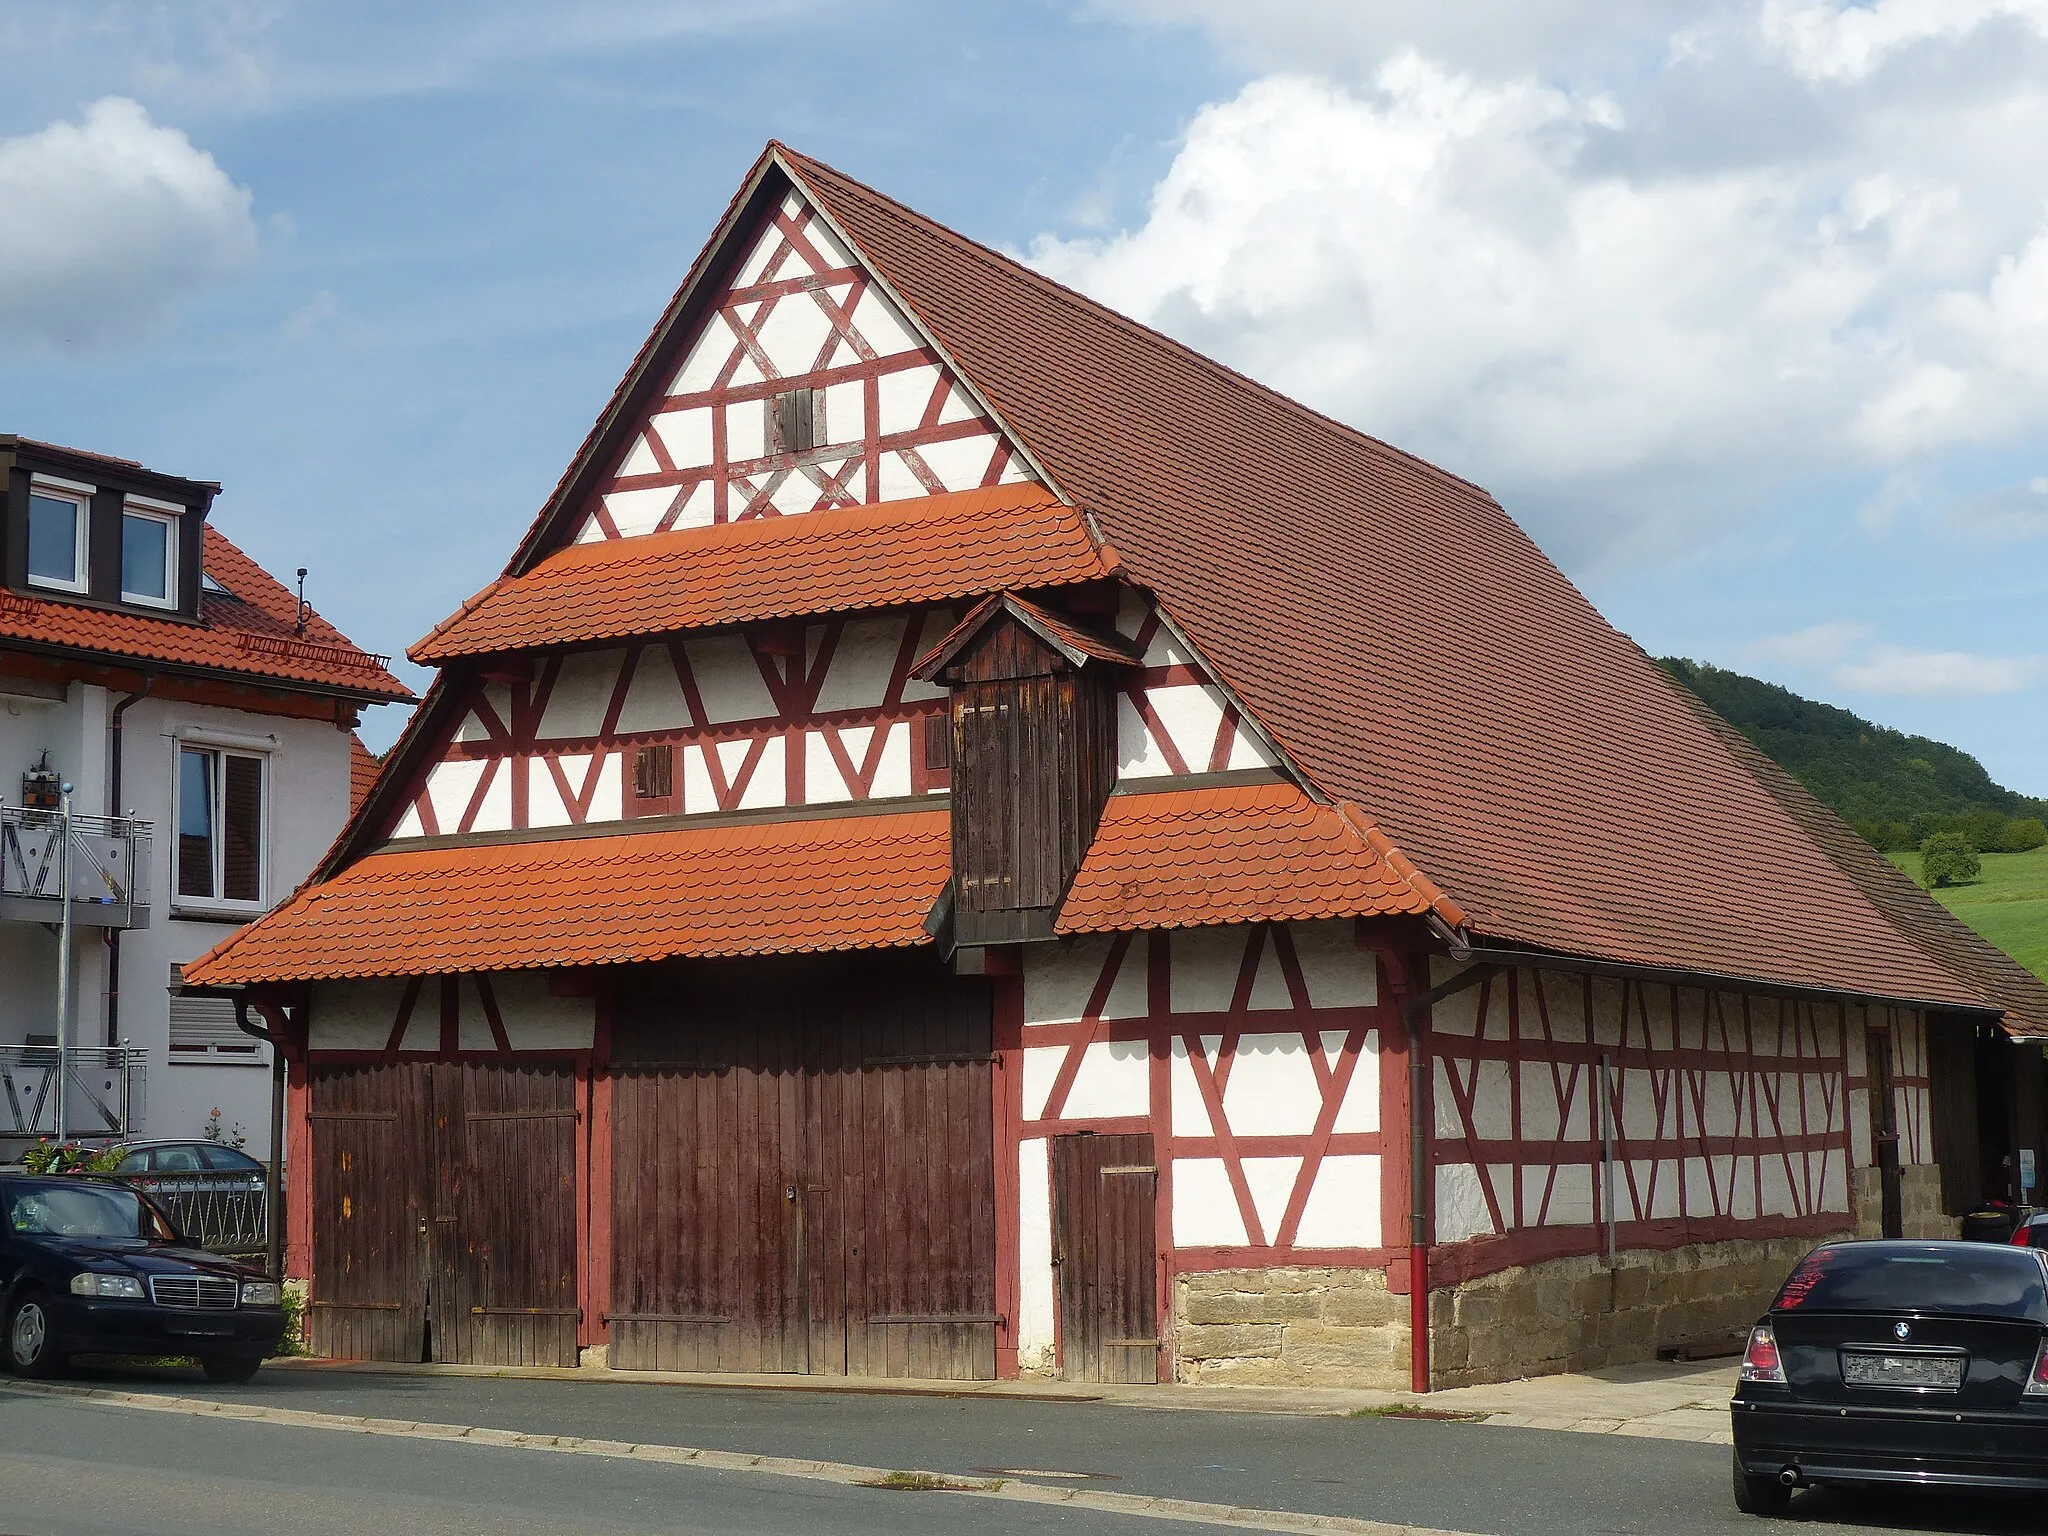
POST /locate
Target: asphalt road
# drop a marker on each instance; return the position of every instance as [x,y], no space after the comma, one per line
[69,1466]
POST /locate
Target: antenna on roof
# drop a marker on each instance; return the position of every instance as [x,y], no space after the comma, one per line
[302,602]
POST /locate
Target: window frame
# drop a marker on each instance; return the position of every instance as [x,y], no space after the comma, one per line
[216,905]
[80,496]
[145,510]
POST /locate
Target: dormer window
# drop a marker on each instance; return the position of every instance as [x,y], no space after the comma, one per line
[57,523]
[149,553]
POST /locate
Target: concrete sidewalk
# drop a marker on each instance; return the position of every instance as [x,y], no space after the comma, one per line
[1656,1401]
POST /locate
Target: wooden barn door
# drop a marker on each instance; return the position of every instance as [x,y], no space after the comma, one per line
[445,1191]
[915,1162]
[1884,1128]
[803,1177]
[503,1234]
[1104,1253]
[372,1190]
[706,1193]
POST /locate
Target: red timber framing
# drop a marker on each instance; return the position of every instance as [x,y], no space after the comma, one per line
[848,347]
[1728,1113]
[502,721]
[1195,1052]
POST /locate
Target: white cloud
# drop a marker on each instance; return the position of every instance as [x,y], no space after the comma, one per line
[112,223]
[253,55]
[1851,659]
[1639,301]
[1818,645]
[1827,42]
[1938,674]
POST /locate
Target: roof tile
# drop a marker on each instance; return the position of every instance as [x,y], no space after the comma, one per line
[779,887]
[251,630]
[928,550]
[1252,853]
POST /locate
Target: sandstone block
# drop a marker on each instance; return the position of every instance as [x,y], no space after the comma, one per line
[1230,1341]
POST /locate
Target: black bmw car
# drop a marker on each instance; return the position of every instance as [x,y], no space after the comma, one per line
[89,1266]
[1900,1363]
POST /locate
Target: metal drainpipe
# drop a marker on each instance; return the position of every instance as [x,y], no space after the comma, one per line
[114,809]
[1415,1015]
[271,1182]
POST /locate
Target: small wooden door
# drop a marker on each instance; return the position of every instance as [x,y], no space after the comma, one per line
[372,1193]
[1884,1129]
[1105,1257]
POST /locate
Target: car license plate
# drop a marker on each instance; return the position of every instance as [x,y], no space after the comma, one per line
[1943,1372]
[200,1330]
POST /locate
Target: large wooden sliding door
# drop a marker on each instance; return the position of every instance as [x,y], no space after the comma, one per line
[444,1212]
[803,1173]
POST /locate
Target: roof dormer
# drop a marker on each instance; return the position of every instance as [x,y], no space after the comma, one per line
[82,528]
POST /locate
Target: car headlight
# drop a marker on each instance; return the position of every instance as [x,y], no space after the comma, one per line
[90,1284]
[259,1293]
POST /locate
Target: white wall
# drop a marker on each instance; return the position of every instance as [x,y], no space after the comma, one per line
[308,800]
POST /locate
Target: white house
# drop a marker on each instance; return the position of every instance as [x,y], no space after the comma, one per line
[205,726]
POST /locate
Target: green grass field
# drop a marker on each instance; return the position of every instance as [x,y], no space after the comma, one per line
[2008,904]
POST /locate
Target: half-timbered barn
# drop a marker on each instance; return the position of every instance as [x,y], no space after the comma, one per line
[970,838]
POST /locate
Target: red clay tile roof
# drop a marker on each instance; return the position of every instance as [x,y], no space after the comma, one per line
[1253,853]
[249,633]
[928,550]
[832,882]
[1402,639]
[362,772]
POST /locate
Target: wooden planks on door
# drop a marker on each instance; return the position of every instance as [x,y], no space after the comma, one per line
[1105,1255]
[445,1187]
[803,1172]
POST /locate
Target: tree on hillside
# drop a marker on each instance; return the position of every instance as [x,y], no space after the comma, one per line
[1947,858]
[2024,835]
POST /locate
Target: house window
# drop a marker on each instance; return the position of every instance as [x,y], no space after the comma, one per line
[793,421]
[220,825]
[149,556]
[56,538]
[204,1028]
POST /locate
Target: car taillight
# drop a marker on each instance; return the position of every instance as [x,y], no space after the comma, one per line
[1760,1361]
[2019,1236]
[2037,1379]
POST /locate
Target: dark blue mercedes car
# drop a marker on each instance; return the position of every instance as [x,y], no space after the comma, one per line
[88,1266]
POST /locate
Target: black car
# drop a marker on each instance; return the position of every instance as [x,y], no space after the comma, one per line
[90,1266]
[1900,1363]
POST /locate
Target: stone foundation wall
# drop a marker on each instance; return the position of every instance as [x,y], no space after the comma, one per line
[1920,1209]
[1577,1315]
[1291,1327]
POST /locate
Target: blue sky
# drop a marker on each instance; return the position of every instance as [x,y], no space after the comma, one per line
[1737,306]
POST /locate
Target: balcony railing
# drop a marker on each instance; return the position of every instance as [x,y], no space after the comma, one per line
[105,1098]
[109,868]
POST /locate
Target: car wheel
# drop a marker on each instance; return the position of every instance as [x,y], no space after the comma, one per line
[1760,1495]
[231,1367]
[32,1337]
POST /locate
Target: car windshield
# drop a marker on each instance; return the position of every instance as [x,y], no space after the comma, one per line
[1983,1280]
[82,1210]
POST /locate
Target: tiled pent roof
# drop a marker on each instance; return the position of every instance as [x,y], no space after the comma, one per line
[928,550]
[779,887]
[1238,854]
[250,631]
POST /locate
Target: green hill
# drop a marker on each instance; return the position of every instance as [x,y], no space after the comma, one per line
[1897,790]
[2008,903]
